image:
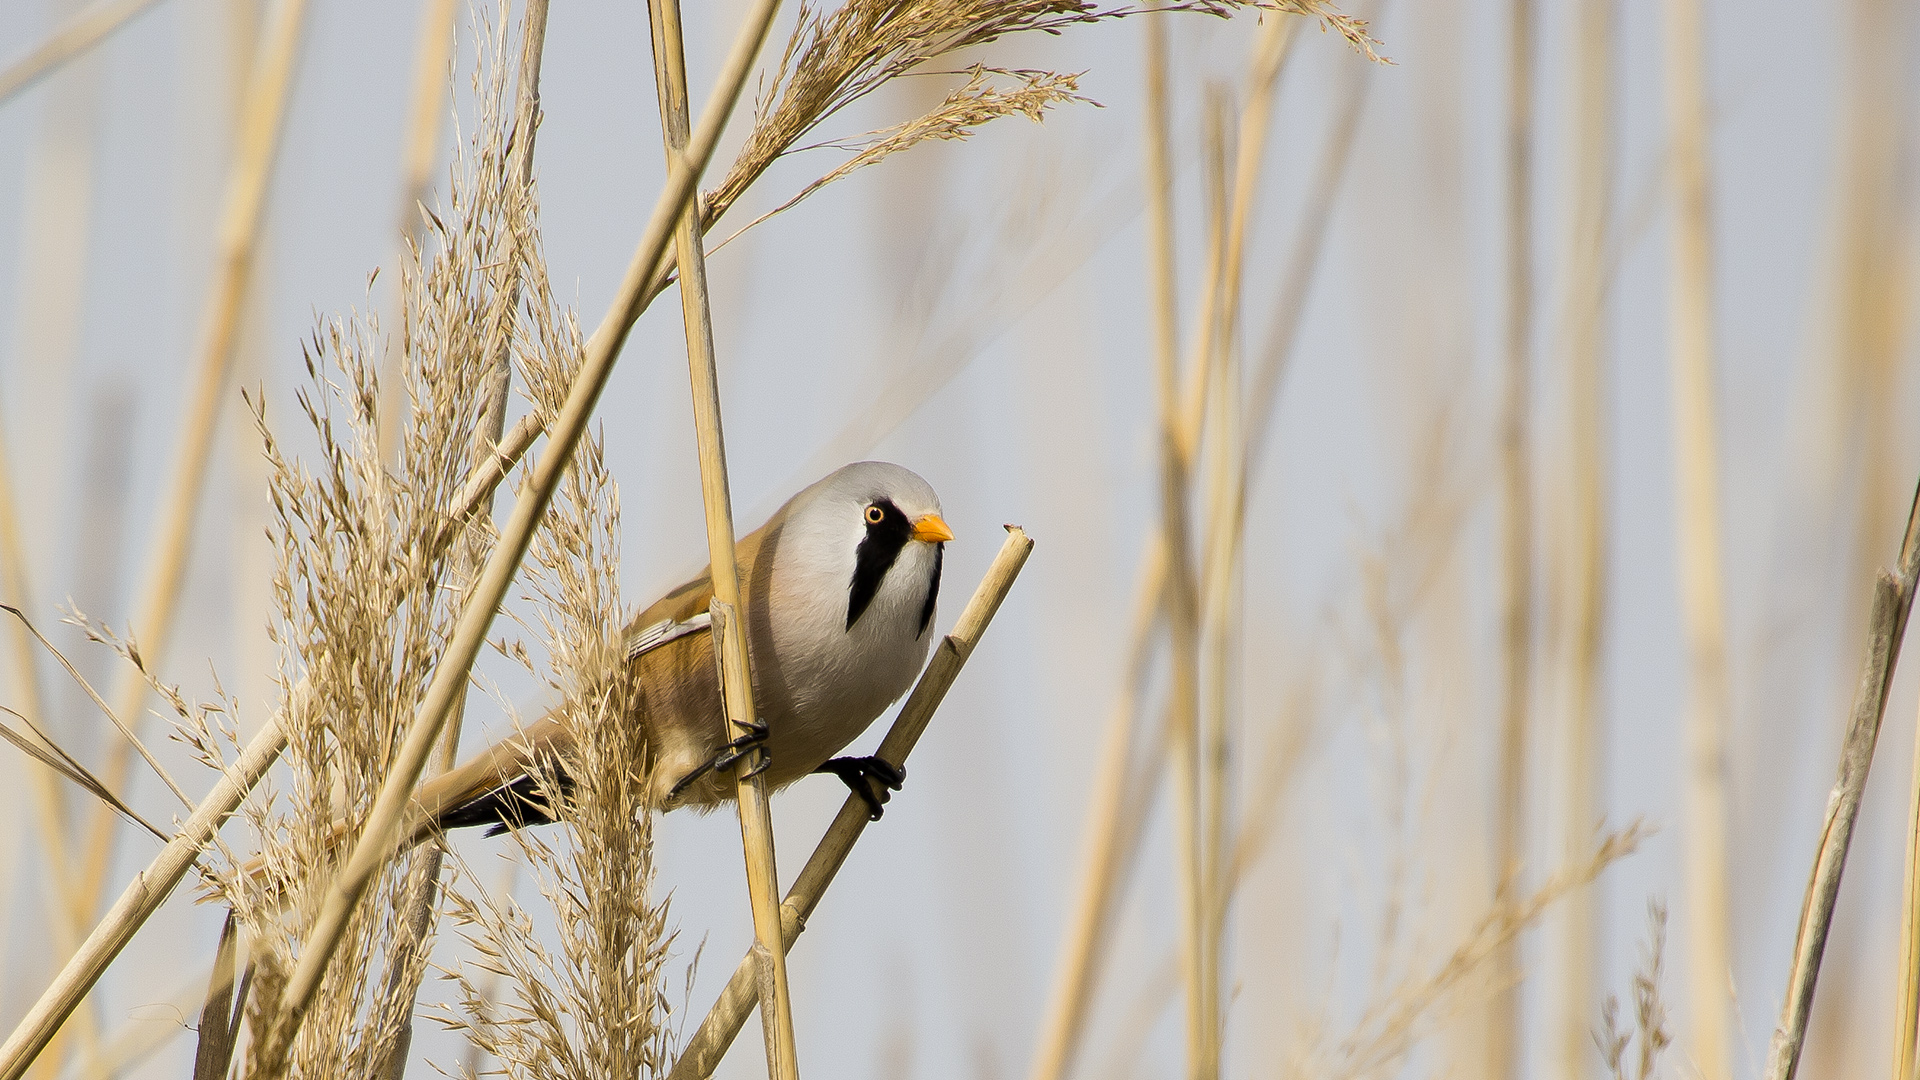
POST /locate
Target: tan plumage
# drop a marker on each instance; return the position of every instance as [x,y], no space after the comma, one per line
[819,677]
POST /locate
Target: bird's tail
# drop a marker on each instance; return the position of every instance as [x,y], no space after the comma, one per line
[494,788]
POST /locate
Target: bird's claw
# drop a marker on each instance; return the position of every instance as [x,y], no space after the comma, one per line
[874,779]
[753,742]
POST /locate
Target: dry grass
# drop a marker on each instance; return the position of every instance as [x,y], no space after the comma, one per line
[597,1004]
[1388,1030]
[1633,1053]
[391,568]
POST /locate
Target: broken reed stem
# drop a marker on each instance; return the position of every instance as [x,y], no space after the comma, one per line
[1697,488]
[1892,603]
[1583,555]
[730,630]
[1516,554]
[214,1051]
[152,886]
[1907,1015]
[723,1022]
[384,824]
[79,33]
[261,128]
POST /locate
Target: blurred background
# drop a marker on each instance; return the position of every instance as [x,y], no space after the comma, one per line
[1468,316]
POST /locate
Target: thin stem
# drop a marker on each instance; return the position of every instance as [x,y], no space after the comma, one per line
[486,436]
[1887,626]
[1906,1041]
[723,1022]
[385,824]
[1516,556]
[730,629]
[153,885]
[261,129]
[418,152]
[1119,797]
[1697,512]
[1183,621]
[74,37]
[1583,557]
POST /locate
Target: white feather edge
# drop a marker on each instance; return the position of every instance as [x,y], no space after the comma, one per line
[648,638]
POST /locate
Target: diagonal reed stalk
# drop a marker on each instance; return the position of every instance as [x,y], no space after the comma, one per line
[1697,489]
[385,823]
[75,36]
[1887,626]
[724,1021]
[152,886]
[261,129]
[729,614]
[1516,541]
[141,899]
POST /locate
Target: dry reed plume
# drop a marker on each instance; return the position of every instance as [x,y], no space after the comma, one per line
[391,566]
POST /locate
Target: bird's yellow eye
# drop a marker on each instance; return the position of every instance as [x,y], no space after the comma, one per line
[875,515]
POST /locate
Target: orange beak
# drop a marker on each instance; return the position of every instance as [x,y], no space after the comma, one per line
[931,530]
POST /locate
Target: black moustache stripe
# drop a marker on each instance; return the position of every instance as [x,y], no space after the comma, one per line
[877,553]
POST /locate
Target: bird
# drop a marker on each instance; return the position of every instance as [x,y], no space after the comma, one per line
[838,588]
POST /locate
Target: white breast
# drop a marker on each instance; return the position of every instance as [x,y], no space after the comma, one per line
[838,679]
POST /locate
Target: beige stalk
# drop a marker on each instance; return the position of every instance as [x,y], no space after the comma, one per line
[730,628]
[261,128]
[1696,446]
[723,1022]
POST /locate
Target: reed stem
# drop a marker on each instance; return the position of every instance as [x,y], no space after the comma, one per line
[262,127]
[384,825]
[1906,1019]
[1582,557]
[152,886]
[1887,626]
[730,629]
[729,1013]
[1516,555]
[1698,515]
[73,38]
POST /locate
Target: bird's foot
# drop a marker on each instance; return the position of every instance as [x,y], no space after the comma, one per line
[753,742]
[872,778]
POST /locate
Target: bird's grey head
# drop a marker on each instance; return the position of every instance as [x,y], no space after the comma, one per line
[884,523]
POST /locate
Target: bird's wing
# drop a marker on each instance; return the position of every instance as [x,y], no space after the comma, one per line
[685,610]
[645,639]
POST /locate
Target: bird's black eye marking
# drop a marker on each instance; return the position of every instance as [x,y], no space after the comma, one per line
[887,534]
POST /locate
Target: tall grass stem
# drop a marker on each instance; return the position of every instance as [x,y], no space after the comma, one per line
[1887,626]
[729,1013]
[730,630]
